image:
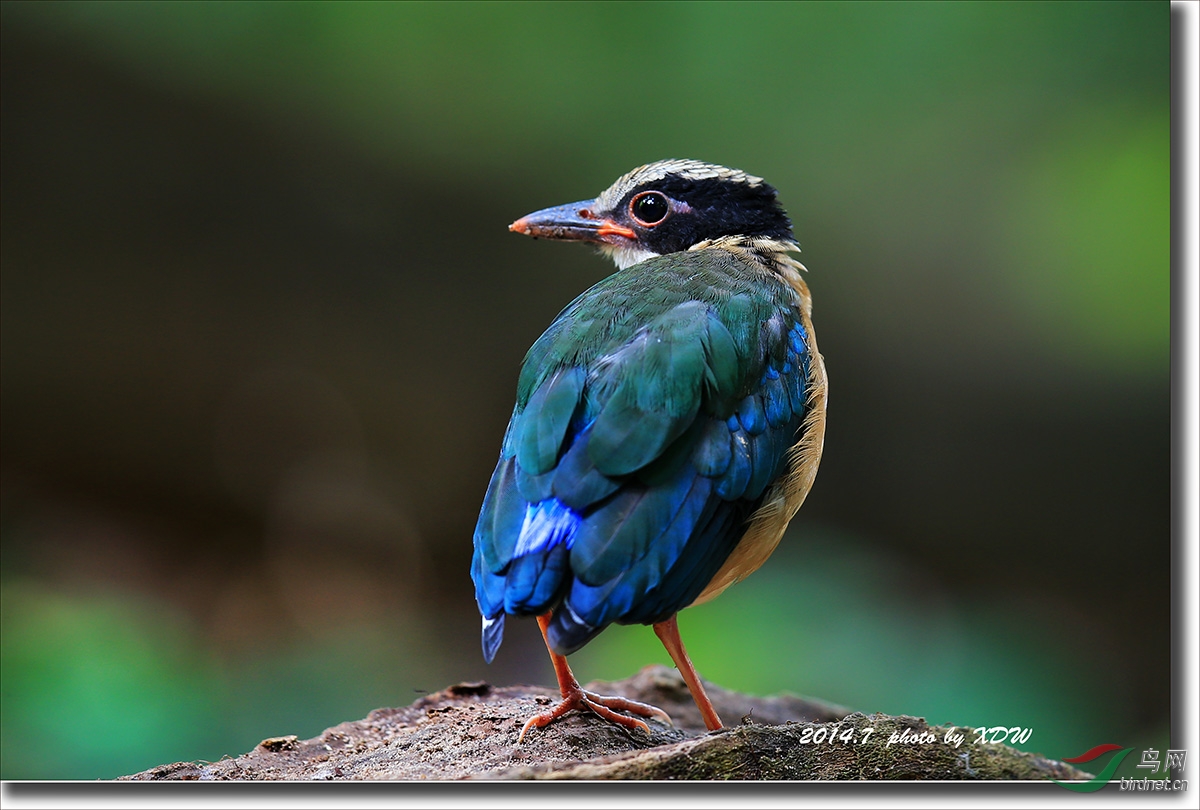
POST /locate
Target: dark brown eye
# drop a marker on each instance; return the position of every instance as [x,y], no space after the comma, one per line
[649,208]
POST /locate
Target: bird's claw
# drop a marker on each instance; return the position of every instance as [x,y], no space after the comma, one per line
[601,705]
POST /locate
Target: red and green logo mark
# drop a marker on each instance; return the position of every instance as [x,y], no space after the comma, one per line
[1101,779]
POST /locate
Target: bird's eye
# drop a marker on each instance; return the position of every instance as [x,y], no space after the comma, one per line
[649,208]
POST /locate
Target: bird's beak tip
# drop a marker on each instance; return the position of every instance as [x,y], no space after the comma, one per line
[574,222]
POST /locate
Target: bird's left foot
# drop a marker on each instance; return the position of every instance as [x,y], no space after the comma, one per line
[605,706]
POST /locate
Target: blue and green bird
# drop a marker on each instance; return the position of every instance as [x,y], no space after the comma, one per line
[667,427]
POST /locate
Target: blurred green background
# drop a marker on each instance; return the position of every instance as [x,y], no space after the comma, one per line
[262,322]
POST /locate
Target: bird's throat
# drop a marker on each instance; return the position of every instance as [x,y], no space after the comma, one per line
[627,255]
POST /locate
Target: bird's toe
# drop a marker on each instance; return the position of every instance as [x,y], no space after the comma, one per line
[614,709]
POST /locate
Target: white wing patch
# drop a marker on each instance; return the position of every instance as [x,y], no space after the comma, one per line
[546,525]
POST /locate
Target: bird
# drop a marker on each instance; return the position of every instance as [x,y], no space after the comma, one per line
[668,423]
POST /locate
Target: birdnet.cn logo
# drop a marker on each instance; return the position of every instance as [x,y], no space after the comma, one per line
[1152,760]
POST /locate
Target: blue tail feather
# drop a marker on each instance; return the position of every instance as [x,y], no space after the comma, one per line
[493,635]
[489,595]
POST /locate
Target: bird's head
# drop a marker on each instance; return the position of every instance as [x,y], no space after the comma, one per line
[666,207]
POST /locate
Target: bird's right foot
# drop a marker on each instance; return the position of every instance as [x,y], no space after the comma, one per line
[576,697]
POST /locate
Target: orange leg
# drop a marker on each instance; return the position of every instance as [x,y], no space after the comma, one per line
[668,634]
[575,697]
